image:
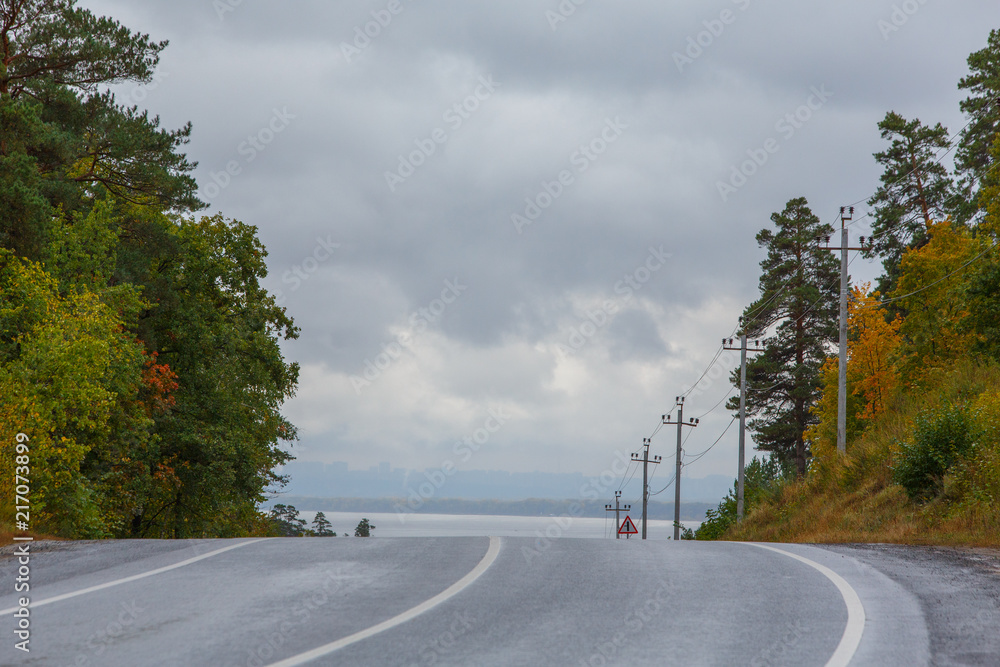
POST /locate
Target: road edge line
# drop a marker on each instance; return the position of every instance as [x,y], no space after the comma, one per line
[134,577]
[399,619]
[855,628]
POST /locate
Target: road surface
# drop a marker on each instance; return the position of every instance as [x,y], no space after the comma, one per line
[500,601]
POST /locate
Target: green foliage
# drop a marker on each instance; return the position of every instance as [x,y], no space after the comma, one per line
[286,521]
[798,292]
[65,362]
[762,480]
[53,41]
[984,308]
[137,347]
[916,190]
[972,158]
[364,529]
[321,526]
[941,437]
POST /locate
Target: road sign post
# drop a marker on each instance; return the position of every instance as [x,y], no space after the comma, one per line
[627,528]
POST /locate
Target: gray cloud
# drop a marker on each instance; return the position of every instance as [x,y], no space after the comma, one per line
[324,177]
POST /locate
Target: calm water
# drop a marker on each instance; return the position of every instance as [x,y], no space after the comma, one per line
[458,525]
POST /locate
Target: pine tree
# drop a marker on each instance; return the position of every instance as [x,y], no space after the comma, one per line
[972,158]
[364,529]
[799,292]
[286,521]
[916,190]
[321,526]
[63,141]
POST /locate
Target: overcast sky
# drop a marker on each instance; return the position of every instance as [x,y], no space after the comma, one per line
[384,172]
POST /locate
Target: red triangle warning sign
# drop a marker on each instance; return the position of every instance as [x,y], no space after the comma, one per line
[627,527]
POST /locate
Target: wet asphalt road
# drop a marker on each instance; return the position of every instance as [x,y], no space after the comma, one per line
[560,602]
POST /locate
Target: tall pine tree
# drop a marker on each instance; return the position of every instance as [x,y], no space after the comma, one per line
[973,157]
[916,190]
[798,304]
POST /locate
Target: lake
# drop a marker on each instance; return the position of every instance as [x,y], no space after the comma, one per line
[463,525]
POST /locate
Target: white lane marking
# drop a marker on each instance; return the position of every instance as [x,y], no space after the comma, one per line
[134,577]
[855,610]
[454,589]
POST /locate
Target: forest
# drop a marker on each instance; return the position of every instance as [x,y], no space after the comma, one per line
[141,378]
[923,370]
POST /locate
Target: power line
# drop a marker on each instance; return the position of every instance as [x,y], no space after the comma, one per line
[672,478]
[939,280]
[623,484]
[702,377]
[724,398]
[712,445]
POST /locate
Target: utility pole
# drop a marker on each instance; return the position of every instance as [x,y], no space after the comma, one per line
[846,215]
[617,509]
[646,442]
[677,474]
[743,412]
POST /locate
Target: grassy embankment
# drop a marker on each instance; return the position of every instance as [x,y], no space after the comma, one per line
[855,499]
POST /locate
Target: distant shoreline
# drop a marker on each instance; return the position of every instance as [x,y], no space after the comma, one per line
[693,511]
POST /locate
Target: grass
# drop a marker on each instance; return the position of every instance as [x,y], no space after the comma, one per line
[853,498]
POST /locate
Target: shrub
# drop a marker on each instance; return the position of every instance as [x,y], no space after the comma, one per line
[762,480]
[941,437]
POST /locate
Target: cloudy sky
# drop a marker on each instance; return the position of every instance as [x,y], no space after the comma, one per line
[511,211]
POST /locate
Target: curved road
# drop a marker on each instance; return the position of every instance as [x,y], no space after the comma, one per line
[501,601]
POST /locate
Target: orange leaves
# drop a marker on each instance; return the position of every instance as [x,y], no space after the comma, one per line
[873,350]
[159,382]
